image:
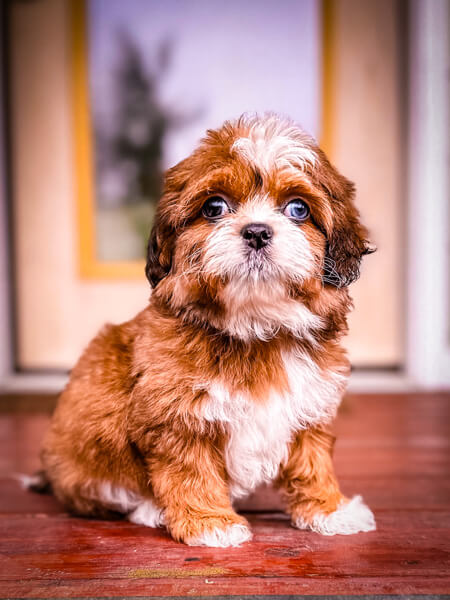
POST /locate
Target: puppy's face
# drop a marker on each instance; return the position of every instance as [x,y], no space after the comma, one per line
[252,218]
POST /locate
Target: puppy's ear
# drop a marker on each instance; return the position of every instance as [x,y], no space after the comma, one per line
[161,243]
[159,250]
[347,239]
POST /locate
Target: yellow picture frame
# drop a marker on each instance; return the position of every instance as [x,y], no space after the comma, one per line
[90,267]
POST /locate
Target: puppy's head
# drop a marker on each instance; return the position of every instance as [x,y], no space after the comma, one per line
[253,217]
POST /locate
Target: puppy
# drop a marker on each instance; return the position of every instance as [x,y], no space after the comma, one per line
[232,373]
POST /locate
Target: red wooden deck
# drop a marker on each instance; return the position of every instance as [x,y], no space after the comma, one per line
[392,449]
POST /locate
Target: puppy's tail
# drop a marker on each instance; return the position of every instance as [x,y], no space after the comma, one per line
[38,482]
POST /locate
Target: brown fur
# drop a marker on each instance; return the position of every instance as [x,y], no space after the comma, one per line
[307,480]
[130,413]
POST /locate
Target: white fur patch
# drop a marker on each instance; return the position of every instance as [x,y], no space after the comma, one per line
[259,432]
[232,535]
[274,143]
[148,514]
[315,393]
[351,517]
[27,481]
[260,310]
[138,509]
[117,497]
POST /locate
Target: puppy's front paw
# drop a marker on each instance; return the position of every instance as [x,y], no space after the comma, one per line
[218,529]
[222,537]
[350,517]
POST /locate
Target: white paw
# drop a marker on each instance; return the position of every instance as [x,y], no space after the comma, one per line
[232,535]
[28,481]
[352,517]
[148,514]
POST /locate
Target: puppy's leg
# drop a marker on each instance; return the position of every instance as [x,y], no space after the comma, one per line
[189,483]
[312,492]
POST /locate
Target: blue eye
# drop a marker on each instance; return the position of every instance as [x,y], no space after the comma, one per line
[297,210]
[215,207]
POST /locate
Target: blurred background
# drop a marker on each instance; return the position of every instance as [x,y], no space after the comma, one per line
[99,97]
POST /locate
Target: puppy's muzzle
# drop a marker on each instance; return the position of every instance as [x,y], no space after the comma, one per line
[257,235]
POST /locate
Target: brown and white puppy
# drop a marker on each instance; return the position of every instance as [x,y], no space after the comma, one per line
[231,374]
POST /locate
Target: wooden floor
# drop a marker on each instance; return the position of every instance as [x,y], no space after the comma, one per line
[394,450]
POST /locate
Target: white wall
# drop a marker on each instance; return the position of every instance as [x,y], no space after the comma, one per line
[428,210]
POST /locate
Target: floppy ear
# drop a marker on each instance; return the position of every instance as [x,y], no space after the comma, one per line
[159,252]
[347,239]
[161,243]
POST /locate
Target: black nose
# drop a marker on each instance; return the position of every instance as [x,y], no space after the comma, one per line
[257,235]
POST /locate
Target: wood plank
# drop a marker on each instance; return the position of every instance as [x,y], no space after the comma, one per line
[394,450]
[107,553]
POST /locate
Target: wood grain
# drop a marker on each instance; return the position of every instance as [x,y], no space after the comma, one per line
[392,449]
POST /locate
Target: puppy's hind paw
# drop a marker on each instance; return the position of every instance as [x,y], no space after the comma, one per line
[148,514]
[230,535]
[351,517]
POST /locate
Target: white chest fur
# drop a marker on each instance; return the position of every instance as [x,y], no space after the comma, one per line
[259,432]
